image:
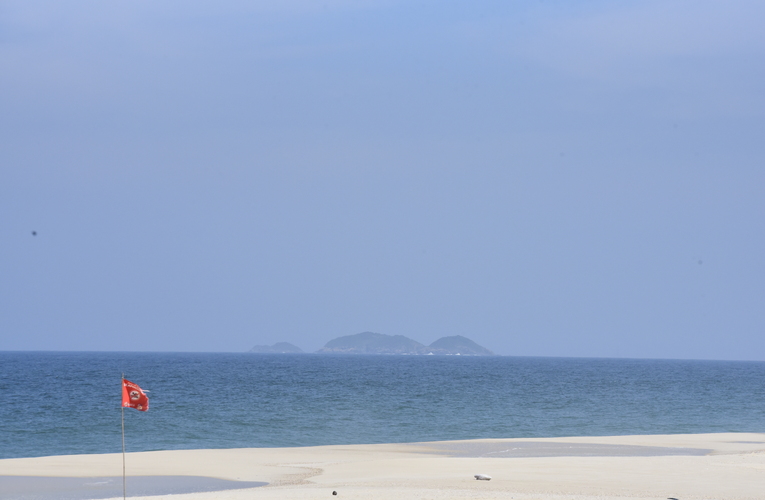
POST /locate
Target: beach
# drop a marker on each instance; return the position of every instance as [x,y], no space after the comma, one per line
[692,466]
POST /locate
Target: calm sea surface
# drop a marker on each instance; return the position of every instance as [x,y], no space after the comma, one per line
[69,403]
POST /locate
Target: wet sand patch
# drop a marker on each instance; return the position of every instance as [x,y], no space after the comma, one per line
[93,488]
[532,449]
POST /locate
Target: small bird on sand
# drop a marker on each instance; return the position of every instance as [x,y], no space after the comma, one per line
[482,477]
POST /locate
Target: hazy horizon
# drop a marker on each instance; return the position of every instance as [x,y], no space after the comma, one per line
[548,179]
[247,351]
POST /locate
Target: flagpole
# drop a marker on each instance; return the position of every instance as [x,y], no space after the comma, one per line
[122,407]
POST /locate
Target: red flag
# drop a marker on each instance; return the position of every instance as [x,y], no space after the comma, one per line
[133,396]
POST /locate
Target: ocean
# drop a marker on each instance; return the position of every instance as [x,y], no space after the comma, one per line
[60,403]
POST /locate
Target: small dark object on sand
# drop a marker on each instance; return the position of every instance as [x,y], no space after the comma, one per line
[671,498]
[334,493]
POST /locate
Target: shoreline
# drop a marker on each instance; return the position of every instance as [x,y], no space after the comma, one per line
[698,466]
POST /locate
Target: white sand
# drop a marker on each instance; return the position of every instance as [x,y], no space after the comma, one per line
[732,467]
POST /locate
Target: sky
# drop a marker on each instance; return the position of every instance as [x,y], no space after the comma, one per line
[549,178]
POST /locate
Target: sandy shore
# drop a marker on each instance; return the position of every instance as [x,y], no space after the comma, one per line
[703,466]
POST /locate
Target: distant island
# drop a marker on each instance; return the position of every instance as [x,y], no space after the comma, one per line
[373,343]
[278,348]
[458,345]
[380,343]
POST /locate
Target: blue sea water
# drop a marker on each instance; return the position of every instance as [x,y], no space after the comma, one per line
[54,403]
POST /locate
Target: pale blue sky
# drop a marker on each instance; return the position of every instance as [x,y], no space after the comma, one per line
[547,178]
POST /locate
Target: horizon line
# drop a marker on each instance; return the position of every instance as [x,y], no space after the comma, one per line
[373,354]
